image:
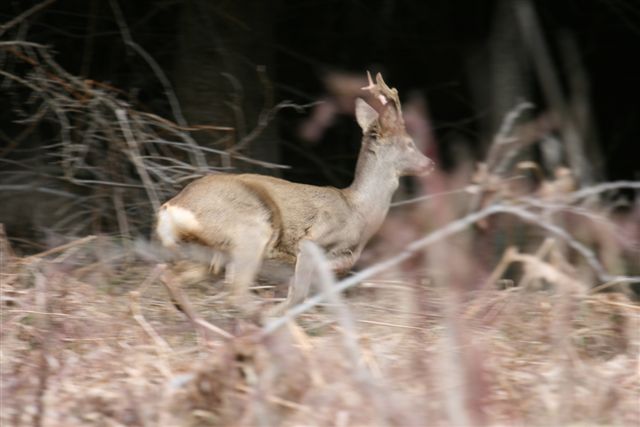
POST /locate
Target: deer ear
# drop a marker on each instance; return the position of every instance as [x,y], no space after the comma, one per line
[365,114]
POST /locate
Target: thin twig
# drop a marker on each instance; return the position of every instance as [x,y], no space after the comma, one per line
[533,37]
[391,325]
[60,248]
[469,189]
[44,324]
[134,154]
[162,346]
[164,80]
[337,305]
[600,188]
[444,232]
[24,15]
[365,381]
[351,281]
[266,116]
[185,306]
[22,43]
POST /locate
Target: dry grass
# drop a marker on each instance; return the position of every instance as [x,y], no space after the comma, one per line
[90,336]
[431,333]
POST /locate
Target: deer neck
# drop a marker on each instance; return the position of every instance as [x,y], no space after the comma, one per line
[372,188]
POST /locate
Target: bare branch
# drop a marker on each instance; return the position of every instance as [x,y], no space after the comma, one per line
[24,15]
[601,188]
[440,234]
[185,306]
[135,159]
[198,158]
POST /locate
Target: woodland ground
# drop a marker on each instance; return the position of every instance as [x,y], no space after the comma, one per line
[91,336]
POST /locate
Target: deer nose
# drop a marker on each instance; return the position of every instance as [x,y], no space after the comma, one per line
[427,166]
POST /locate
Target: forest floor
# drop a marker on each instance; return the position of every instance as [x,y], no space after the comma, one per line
[92,337]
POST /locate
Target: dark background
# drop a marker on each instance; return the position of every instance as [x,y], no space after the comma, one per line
[460,55]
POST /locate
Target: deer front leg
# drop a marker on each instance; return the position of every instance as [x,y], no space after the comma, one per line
[305,269]
[299,285]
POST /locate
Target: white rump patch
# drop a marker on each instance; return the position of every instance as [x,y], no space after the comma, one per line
[174,221]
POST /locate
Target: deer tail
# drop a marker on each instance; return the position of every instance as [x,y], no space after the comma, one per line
[175,222]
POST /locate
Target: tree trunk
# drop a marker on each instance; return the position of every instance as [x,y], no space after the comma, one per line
[222,46]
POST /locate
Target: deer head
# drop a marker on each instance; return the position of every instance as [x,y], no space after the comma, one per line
[385,134]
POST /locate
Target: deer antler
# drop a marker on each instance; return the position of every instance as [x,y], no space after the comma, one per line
[382,92]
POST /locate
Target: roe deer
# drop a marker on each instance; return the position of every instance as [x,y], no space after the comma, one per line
[251,218]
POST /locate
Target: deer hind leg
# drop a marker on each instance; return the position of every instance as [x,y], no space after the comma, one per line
[245,260]
[301,281]
[216,263]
